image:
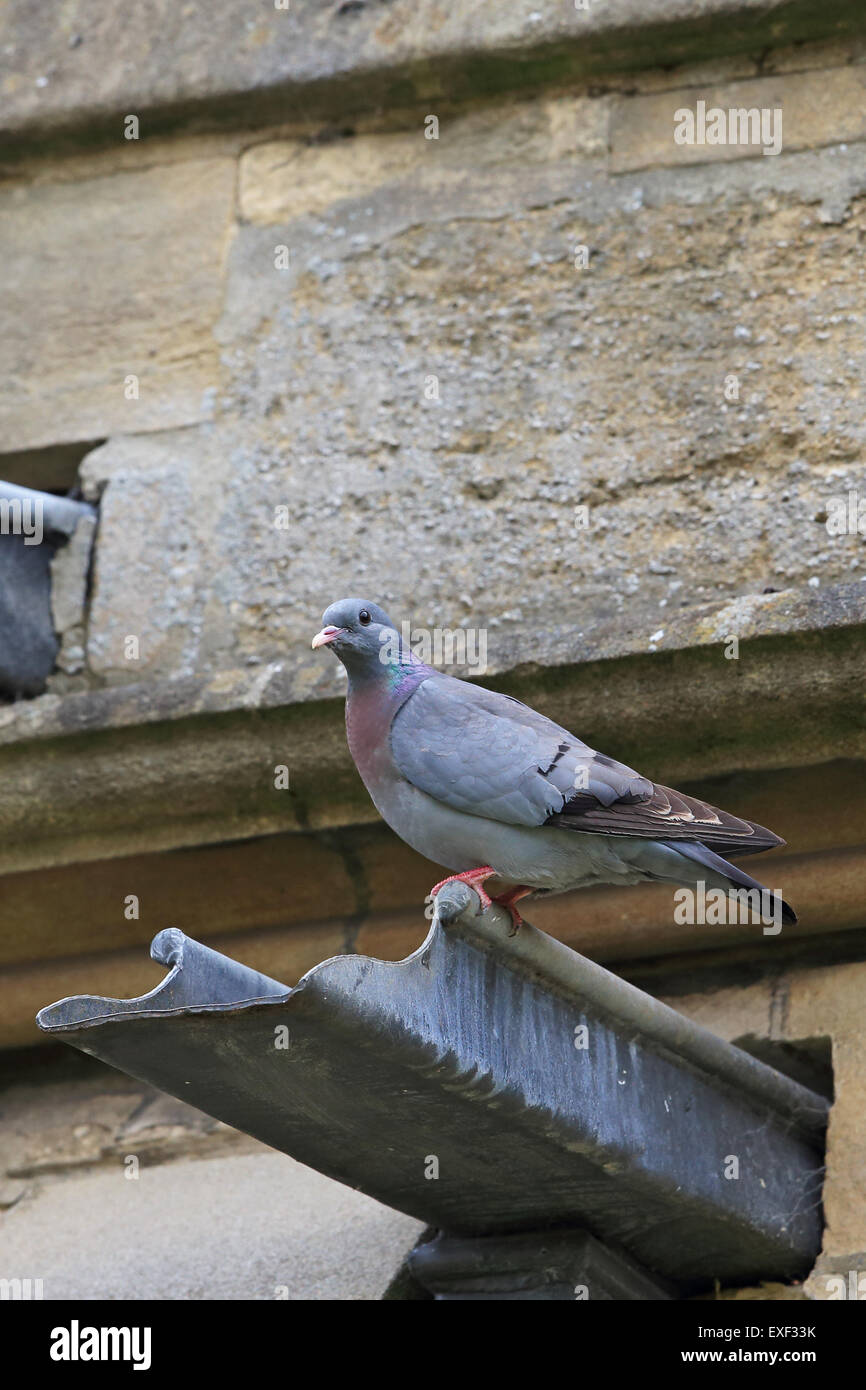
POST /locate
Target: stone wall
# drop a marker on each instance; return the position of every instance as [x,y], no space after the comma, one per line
[323,367]
[550,375]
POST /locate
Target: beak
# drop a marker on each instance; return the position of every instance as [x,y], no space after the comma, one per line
[327,635]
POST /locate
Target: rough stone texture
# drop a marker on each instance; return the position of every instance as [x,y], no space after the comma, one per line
[274,882]
[108,278]
[803,1005]
[749,270]
[411,258]
[240,1222]
[252,1227]
[70,583]
[69,574]
[286,179]
[61,1119]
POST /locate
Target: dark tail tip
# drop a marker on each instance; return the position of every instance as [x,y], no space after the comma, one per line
[789,916]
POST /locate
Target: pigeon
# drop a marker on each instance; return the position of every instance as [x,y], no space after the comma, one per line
[490,789]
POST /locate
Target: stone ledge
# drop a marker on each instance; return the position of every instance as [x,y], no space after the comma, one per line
[818,108]
[306,680]
[135,769]
[225,65]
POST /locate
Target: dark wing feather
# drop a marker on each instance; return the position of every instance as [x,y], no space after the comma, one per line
[668,815]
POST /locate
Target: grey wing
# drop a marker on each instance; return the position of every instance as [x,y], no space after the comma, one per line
[489,755]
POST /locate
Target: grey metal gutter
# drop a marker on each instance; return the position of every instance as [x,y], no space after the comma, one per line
[559,968]
[462,1059]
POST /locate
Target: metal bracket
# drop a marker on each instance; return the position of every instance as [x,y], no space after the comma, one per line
[549,1265]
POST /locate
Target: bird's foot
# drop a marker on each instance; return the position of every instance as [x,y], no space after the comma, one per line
[474,877]
[507,900]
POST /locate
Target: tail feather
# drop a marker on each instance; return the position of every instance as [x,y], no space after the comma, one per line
[693,849]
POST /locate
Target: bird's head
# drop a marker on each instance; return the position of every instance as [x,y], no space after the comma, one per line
[360,633]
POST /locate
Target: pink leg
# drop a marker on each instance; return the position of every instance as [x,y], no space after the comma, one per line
[507,900]
[474,877]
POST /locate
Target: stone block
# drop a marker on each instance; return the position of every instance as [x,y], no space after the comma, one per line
[824,107]
[111,287]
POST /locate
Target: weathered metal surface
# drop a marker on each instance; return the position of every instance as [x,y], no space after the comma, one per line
[28,644]
[32,525]
[450,1086]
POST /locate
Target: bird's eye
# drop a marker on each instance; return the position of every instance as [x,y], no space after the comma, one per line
[364,617]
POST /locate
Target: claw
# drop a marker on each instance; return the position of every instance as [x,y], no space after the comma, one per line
[507,900]
[474,877]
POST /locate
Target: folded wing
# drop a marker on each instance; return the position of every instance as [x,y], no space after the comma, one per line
[488,755]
